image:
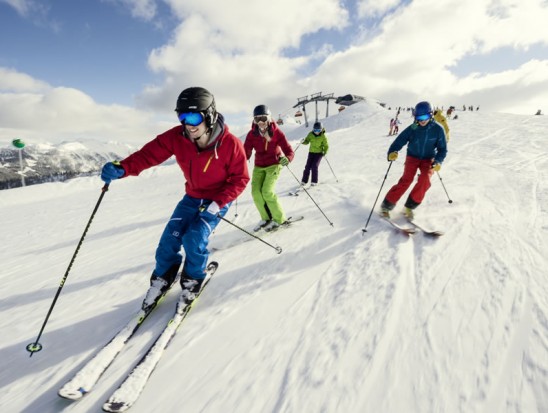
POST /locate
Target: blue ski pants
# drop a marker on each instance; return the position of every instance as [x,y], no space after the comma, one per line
[190,230]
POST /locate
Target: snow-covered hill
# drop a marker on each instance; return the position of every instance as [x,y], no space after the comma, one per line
[339,322]
[47,162]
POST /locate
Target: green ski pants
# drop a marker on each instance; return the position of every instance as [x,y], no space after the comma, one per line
[263,183]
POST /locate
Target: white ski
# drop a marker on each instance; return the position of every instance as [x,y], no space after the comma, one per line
[129,391]
[432,233]
[403,230]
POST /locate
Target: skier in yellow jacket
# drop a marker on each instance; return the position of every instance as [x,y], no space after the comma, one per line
[442,120]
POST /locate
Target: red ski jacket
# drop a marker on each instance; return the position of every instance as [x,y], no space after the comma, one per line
[267,153]
[218,172]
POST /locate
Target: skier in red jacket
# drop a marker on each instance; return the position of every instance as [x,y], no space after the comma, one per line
[272,152]
[214,164]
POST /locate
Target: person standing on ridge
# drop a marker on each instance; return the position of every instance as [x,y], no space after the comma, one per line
[426,150]
[392,125]
[396,126]
[318,149]
[272,152]
[214,165]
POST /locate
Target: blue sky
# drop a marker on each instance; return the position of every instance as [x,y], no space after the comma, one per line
[94,46]
[112,69]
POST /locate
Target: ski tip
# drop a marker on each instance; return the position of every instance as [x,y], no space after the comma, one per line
[434,234]
[71,394]
[115,407]
[426,231]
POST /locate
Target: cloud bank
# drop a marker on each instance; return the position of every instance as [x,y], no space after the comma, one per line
[249,53]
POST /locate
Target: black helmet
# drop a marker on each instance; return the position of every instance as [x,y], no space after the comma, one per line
[198,99]
[261,110]
[318,126]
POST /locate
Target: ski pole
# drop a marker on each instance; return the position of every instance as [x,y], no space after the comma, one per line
[304,189]
[441,180]
[278,249]
[331,168]
[364,230]
[236,213]
[36,346]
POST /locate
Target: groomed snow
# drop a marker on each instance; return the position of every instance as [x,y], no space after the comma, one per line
[340,321]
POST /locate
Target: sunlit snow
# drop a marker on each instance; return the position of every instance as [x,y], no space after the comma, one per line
[340,321]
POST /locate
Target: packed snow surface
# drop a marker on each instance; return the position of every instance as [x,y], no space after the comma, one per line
[341,321]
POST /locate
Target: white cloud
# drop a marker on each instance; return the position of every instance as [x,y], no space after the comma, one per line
[375,8]
[261,24]
[13,81]
[35,11]
[142,9]
[22,7]
[413,56]
[38,111]
[248,54]
[241,58]
[522,90]
[514,23]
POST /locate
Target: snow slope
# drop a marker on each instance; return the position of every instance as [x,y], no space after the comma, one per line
[341,321]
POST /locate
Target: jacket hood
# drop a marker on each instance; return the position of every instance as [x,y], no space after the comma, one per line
[217,130]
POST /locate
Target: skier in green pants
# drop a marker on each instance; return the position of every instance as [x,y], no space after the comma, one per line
[272,152]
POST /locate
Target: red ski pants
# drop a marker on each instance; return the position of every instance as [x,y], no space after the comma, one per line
[409,170]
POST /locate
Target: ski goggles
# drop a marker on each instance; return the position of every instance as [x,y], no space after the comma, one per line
[191,118]
[262,118]
[424,117]
[317,131]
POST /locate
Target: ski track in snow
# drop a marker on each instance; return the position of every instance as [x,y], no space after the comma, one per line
[340,321]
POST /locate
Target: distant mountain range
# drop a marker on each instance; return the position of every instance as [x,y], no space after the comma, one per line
[48,162]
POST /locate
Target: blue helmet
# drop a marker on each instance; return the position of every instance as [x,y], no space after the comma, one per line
[422,108]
